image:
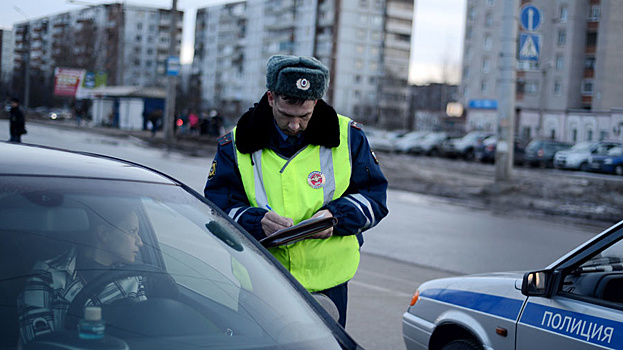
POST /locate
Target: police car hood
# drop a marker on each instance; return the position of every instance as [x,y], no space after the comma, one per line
[501,284]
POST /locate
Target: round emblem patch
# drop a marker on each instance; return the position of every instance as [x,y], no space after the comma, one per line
[303,84]
[316,179]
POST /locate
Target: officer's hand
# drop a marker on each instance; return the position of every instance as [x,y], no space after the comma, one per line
[326,233]
[272,222]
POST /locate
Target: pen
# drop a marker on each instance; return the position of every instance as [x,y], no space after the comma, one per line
[269,208]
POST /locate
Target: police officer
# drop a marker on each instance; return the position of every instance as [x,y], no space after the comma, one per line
[292,157]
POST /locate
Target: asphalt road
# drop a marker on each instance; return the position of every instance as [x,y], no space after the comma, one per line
[422,238]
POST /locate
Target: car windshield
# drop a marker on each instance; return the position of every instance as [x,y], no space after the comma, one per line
[583,146]
[201,282]
[616,151]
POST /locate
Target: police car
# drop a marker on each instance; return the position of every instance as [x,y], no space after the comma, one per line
[575,303]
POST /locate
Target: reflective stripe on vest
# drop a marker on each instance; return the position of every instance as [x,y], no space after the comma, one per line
[297,188]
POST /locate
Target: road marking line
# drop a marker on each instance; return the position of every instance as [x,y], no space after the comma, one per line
[380,289]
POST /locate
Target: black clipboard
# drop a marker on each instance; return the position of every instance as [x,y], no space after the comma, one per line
[298,232]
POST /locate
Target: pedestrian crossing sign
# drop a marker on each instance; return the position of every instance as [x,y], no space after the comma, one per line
[529,46]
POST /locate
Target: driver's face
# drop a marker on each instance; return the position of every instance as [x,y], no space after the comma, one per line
[124,241]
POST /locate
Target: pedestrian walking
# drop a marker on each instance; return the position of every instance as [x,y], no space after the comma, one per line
[292,157]
[17,122]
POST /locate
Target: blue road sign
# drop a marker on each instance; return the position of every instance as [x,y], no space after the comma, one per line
[529,46]
[483,104]
[530,17]
[173,66]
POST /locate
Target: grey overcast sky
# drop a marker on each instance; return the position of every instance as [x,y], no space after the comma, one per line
[436,44]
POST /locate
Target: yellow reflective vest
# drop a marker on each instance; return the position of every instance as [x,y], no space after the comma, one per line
[297,188]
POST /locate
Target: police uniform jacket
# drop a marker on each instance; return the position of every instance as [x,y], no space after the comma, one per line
[361,207]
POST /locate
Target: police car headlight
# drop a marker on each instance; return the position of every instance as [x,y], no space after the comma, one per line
[608,161]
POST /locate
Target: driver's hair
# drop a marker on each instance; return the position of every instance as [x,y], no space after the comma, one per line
[105,214]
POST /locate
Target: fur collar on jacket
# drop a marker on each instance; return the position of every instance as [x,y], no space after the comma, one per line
[254,128]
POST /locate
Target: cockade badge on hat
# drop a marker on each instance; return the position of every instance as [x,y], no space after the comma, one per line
[303,84]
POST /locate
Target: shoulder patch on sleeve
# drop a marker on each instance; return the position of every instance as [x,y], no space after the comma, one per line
[212,170]
[225,139]
[356,125]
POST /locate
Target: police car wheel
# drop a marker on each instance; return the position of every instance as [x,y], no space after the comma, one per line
[462,344]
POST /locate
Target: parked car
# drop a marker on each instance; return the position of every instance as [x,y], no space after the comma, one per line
[59,114]
[574,303]
[576,157]
[464,147]
[406,143]
[541,152]
[381,141]
[430,145]
[208,283]
[611,163]
[485,152]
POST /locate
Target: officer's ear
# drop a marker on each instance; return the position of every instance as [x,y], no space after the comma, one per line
[271,98]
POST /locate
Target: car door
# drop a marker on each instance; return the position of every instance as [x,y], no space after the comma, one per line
[585,310]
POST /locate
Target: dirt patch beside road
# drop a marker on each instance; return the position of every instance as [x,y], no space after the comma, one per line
[577,195]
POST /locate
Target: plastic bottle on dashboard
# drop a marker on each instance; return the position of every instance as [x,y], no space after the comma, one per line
[92,326]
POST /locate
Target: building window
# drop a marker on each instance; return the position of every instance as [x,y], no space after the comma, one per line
[139,26]
[468,52]
[560,62]
[595,12]
[363,3]
[562,37]
[557,88]
[562,15]
[360,49]
[488,42]
[139,38]
[484,88]
[531,88]
[603,134]
[552,134]
[591,39]
[486,65]
[589,135]
[466,72]
[488,20]
[574,135]
[358,64]
[587,88]
[589,63]
[471,12]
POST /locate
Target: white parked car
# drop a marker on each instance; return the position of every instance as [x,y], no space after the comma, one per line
[406,143]
[577,156]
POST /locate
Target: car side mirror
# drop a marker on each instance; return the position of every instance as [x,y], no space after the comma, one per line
[536,283]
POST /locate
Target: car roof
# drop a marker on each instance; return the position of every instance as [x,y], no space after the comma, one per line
[24,159]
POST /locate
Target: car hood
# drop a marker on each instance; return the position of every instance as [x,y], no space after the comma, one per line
[573,153]
[506,285]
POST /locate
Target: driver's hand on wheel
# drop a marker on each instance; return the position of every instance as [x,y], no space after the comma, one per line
[272,222]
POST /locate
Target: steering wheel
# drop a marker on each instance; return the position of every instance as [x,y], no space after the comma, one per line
[158,283]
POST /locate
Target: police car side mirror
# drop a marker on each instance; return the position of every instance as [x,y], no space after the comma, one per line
[536,283]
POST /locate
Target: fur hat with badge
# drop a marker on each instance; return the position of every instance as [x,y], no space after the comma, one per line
[299,77]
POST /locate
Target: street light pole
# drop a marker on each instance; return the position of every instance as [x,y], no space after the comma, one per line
[169,117]
[506,93]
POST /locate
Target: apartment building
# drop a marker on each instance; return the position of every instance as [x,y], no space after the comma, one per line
[568,72]
[6,58]
[129,43]
[364,43]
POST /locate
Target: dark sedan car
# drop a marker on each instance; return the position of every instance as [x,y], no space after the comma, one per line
[610,163]
[541,152]
[485,151]
[83,235]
